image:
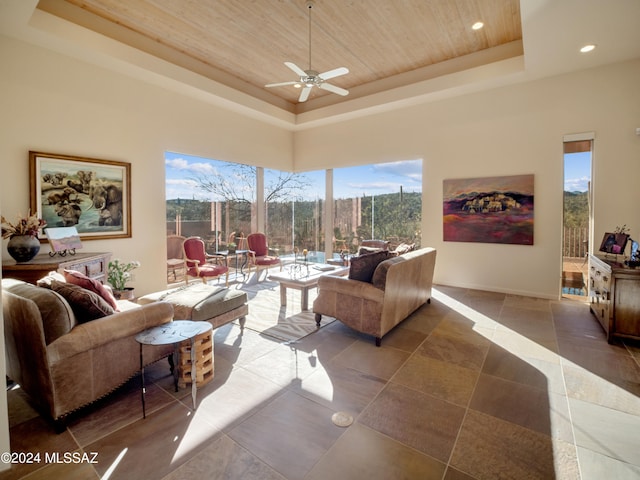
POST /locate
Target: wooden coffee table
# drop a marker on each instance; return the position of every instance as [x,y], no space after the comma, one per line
[299,277]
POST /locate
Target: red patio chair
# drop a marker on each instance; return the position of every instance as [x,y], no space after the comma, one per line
[259,253]
[196,262]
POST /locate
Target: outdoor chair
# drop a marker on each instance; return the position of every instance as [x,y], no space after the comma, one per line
[197,262]
[260,255]
[175,254]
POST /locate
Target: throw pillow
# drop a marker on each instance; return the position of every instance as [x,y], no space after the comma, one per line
[363,266]
[404,248]
[86,305]
[365,250]
[91,284]
[51,276]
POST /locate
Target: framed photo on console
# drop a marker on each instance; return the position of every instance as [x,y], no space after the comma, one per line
[614,243]
[92,195]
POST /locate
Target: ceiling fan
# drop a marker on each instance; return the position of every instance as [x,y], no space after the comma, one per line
[310,78]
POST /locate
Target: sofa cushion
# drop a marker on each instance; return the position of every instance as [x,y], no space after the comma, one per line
[57,316]
[91,284]
[86,305]
[363,266]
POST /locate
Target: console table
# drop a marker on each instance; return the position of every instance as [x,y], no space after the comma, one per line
[614,295]
[93,265]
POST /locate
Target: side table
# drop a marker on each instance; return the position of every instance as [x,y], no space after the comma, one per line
[174,333]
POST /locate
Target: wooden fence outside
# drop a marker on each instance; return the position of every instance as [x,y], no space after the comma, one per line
[576,242]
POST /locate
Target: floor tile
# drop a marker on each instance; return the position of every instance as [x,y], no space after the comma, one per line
[224,458]
[382,362]
[596,466]
[36,435]
[528,371]
[165,439]
[426,423]
[606,431]
[615,394]
[404,339]
[340,389]
[467,350]
[364,453]
[290,434]
[490,448]
[225,403]
[444,380]
[517,403]
[118,410]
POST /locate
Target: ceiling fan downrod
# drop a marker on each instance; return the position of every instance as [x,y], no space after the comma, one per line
[310,4]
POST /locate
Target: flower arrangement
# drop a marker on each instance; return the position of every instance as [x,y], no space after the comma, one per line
[28,225]
[119,273]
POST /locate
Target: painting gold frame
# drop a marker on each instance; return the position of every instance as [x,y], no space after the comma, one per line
[90,194]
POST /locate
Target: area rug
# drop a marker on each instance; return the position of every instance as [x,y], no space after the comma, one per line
[267,317]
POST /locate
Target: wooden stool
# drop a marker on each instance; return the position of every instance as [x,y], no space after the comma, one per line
[203,345]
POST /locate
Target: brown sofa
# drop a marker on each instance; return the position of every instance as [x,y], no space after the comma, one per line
[62,364]
[398,287]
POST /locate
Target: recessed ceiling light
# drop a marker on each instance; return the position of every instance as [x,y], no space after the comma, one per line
[477,25]
[297,85]
[587,48]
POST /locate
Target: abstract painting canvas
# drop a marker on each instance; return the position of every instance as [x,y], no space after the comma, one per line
[489,210]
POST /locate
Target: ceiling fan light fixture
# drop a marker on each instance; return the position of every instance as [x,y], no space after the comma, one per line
[307,79]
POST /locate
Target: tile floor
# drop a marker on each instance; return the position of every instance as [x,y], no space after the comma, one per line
[476,385]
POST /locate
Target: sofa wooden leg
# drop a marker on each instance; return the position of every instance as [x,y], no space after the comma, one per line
[378,341]
[242,321]
[59,425]
[318,319]
[429,300]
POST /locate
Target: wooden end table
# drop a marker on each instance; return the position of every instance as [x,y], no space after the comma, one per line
[174,333]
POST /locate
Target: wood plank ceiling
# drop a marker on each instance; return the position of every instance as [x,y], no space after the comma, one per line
[244,43]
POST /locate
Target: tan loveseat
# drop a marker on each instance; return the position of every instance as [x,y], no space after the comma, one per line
[63,365]
[399,286]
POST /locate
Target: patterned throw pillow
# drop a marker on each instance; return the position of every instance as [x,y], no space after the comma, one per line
[363,266]
[86,305]
[92,285]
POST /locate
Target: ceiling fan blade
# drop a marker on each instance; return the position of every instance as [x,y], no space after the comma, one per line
[304,94]
[336,72]
[334,89]
[296,69]
[281,84]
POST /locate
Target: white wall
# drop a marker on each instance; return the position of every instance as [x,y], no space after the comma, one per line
[512,130]
[55,104]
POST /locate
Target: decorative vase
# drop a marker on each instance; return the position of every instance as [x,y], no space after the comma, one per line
[126,294]
[23,247]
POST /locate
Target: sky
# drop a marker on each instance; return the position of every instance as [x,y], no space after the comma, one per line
[182,170]
[577,171]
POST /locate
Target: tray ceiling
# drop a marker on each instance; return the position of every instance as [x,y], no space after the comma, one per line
[243,44]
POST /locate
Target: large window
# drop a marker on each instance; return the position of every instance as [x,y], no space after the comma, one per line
[294,211]
[220,201]
[381,202]
[211,199]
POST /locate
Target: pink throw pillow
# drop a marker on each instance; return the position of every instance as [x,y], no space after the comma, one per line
[92,285]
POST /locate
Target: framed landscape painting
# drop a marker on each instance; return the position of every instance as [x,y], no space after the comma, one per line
[92,195]
[489,210]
